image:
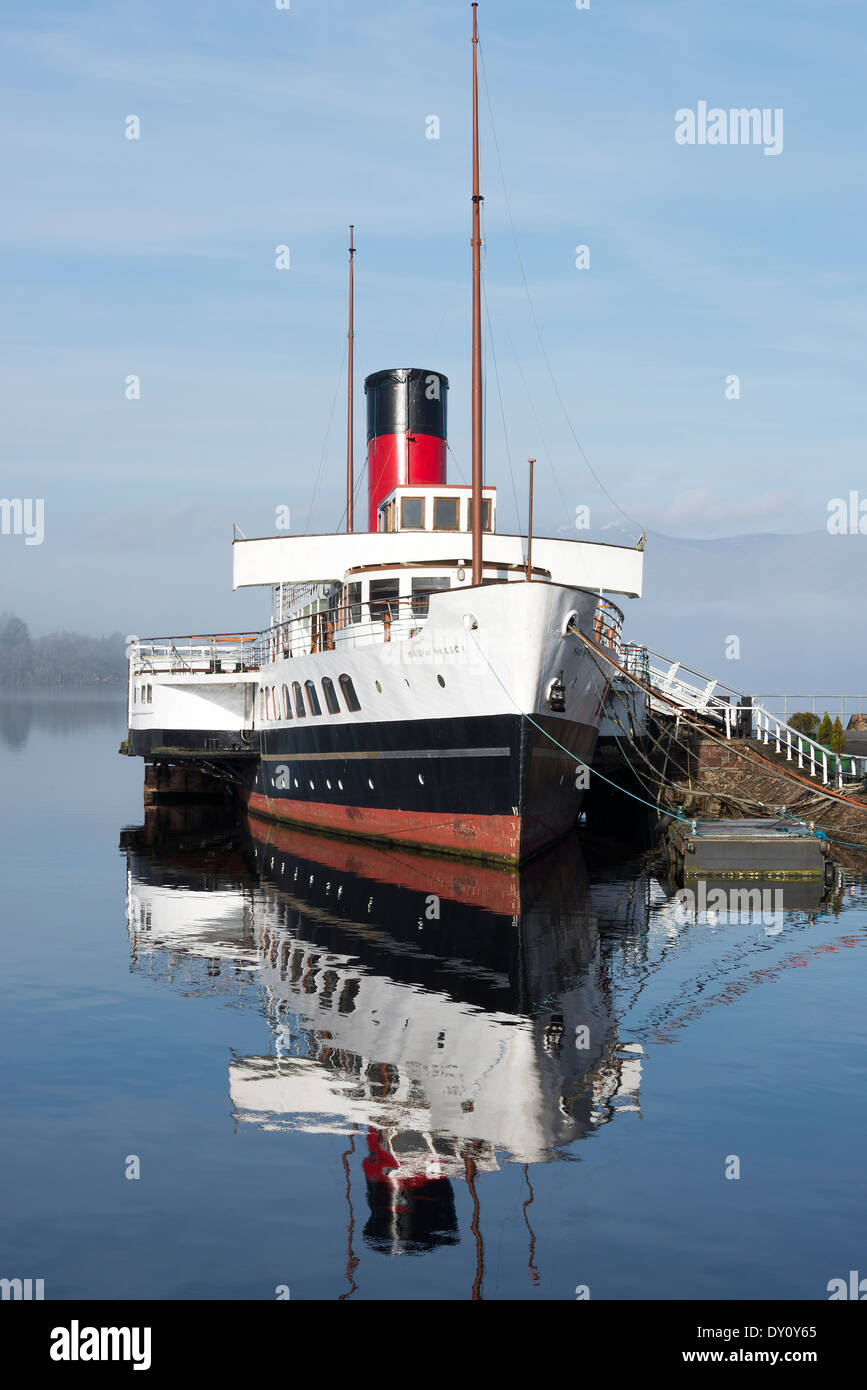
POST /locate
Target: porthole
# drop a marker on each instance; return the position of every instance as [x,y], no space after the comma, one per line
[406,682]
[340,784]
[295,780]
[378,686]
[312,787]
[328,783]
[441,681]
[420,780]
[370,783]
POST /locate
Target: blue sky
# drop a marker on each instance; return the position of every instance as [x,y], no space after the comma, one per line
[262,127]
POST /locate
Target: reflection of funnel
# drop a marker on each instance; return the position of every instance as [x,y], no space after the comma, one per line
[411,1212]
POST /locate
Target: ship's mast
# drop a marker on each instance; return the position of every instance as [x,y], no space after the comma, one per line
[477,323]
[350,479]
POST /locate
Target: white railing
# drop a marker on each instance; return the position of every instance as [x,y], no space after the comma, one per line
[783,706]
[689,688]
[811,755]
[217,654]
[351,625]
[701,694]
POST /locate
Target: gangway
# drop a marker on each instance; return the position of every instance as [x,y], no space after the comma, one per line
[671,687]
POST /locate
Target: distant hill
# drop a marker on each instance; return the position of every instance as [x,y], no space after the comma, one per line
[61,658]
[798,603]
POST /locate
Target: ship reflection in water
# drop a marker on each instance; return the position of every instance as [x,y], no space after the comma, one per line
[447,1018]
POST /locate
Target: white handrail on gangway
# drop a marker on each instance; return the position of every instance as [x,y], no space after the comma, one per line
[697,693]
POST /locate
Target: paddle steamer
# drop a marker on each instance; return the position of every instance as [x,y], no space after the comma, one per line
[422,681]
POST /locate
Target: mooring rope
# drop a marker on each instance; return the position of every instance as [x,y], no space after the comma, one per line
[750,754]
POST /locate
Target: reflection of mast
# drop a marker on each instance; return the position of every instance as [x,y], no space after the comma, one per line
[470,1170]
[531,1265]
[352,1260]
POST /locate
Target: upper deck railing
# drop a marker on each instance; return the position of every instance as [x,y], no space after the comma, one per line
[199,654]
[358,624]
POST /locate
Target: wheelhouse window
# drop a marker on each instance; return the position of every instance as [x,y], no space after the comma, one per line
[412,513]
[287,707]
[446,513]
[487,524]
[299,700]
[421,592]
[332,703]
[312,698]
[384,599]
[352,701]
[350,606]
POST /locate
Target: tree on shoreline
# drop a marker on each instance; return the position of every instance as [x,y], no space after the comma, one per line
[59,658]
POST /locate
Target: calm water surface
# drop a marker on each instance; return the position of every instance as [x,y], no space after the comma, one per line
[366,1074]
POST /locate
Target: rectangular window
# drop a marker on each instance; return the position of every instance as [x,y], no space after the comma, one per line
[486,514]
[446,513]
[421,592]
[412,513]
[331,701]
[299,700]
[384,598]
[352,603]
[287,708]
[312,698]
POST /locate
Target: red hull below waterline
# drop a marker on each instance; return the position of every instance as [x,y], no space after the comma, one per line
[485,837]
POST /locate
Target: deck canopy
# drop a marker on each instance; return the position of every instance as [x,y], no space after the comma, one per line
[274,560]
